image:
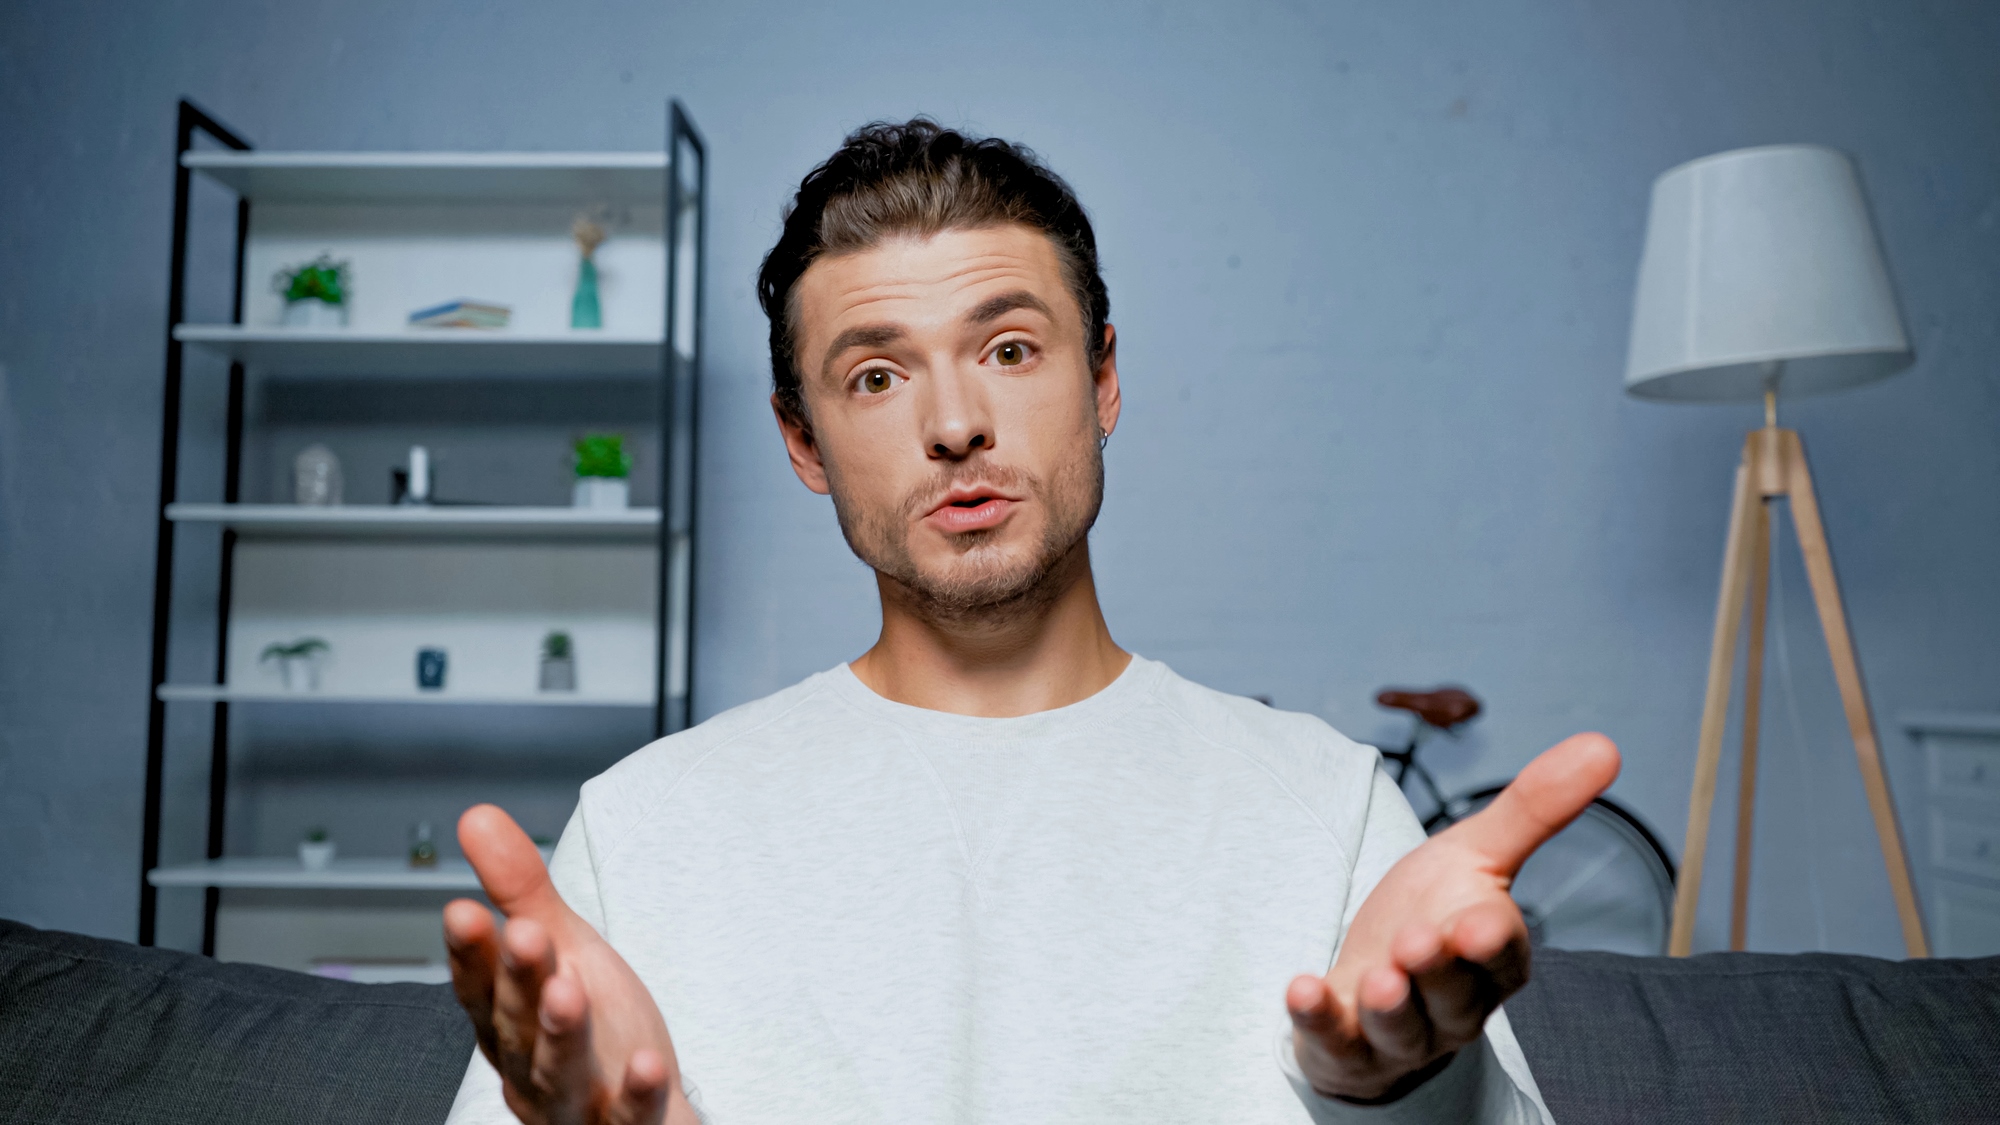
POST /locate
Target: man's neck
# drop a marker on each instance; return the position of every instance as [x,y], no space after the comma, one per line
[1046,653]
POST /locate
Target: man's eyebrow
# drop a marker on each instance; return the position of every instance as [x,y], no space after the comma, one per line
[860,336]
[882,335]
[993,308]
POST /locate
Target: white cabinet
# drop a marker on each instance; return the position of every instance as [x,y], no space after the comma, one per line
[1959,842]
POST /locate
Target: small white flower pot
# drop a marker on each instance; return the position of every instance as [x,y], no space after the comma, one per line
[602,493]
[316,856]
[558,675]
[315,314]
[301,673]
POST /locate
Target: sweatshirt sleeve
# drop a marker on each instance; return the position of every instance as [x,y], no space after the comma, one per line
[574,872]
[1488,1082]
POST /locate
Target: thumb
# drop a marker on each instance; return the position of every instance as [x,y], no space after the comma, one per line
[1554,790]
[508,863]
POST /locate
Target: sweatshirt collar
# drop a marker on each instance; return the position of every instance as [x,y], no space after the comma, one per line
[1111,702]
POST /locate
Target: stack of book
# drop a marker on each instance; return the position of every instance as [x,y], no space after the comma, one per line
[462,314]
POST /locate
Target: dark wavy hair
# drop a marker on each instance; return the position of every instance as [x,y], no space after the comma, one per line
[920,178]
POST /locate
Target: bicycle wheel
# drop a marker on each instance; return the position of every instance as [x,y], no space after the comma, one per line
[1604,883]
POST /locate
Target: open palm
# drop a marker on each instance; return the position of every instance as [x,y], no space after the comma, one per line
[572,1031]
[1439,943]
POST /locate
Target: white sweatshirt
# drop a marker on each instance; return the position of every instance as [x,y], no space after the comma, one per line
[851,910]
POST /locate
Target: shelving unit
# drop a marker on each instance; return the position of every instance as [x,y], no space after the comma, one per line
[487,580]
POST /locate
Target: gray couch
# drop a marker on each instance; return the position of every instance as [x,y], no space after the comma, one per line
[108,1033]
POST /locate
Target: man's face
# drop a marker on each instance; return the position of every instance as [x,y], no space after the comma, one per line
[953,415]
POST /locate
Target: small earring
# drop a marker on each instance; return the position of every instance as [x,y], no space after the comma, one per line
[1103,439]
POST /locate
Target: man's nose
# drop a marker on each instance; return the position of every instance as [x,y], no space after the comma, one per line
[959,419]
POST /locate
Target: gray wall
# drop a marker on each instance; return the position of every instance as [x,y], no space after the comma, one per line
[1371,266]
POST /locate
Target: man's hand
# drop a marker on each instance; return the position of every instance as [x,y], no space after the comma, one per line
[1439,943]
[567,1023]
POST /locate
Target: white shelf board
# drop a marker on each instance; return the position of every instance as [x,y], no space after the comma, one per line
[224,693]
[1951,722]
[344,520]
[388,972]
[431,351]
[386,177]
[342,874]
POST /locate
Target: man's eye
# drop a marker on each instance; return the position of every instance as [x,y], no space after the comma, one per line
[1010,354]
[877,381]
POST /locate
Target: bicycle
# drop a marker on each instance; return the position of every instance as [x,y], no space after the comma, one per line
[1603,883]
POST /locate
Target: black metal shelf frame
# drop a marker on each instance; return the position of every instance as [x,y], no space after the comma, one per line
[687,214]
[686,253]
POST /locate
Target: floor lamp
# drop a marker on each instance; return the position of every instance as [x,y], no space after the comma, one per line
[1762,278]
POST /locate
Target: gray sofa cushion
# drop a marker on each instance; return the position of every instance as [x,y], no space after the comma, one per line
[1761,1038]
[105,1032]
[109,1033]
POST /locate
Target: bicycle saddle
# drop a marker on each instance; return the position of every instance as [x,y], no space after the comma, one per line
[1445,707]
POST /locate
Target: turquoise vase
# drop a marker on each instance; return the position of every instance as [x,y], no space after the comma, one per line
[583,311]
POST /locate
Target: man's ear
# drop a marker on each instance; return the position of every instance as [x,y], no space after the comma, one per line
[801,447]
[1104,383]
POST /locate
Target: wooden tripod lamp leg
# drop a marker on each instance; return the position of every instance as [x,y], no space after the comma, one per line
[1714,713]
[1753,698]
[1847,673]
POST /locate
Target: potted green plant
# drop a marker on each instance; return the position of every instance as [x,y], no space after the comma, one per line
[298,662]
[558,663]
[316,850]
[601,470]
[315,293]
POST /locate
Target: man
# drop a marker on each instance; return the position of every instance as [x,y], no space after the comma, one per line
[996,869]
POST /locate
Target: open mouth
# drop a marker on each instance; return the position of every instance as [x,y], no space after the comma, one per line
[972,510]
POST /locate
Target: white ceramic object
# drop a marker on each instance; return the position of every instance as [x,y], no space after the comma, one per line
[316,479]
[418,487]
[316,856]
[314,314]
[602,493]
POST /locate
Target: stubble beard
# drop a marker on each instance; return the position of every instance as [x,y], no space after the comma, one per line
[985,581]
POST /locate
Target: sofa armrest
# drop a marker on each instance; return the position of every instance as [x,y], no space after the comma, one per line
[100,1031]
[1761,1037]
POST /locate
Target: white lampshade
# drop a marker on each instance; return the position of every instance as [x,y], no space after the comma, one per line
[1755,256]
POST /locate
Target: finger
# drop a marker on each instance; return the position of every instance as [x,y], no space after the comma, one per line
[1392,1016]
[1494,937]
[527,960]
[1554,790]
[1325,1036]
[1454,994]
[509,866]
[1315,1011]
[642,1096]
[1326,1043]
[562,1068]
[474,948]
